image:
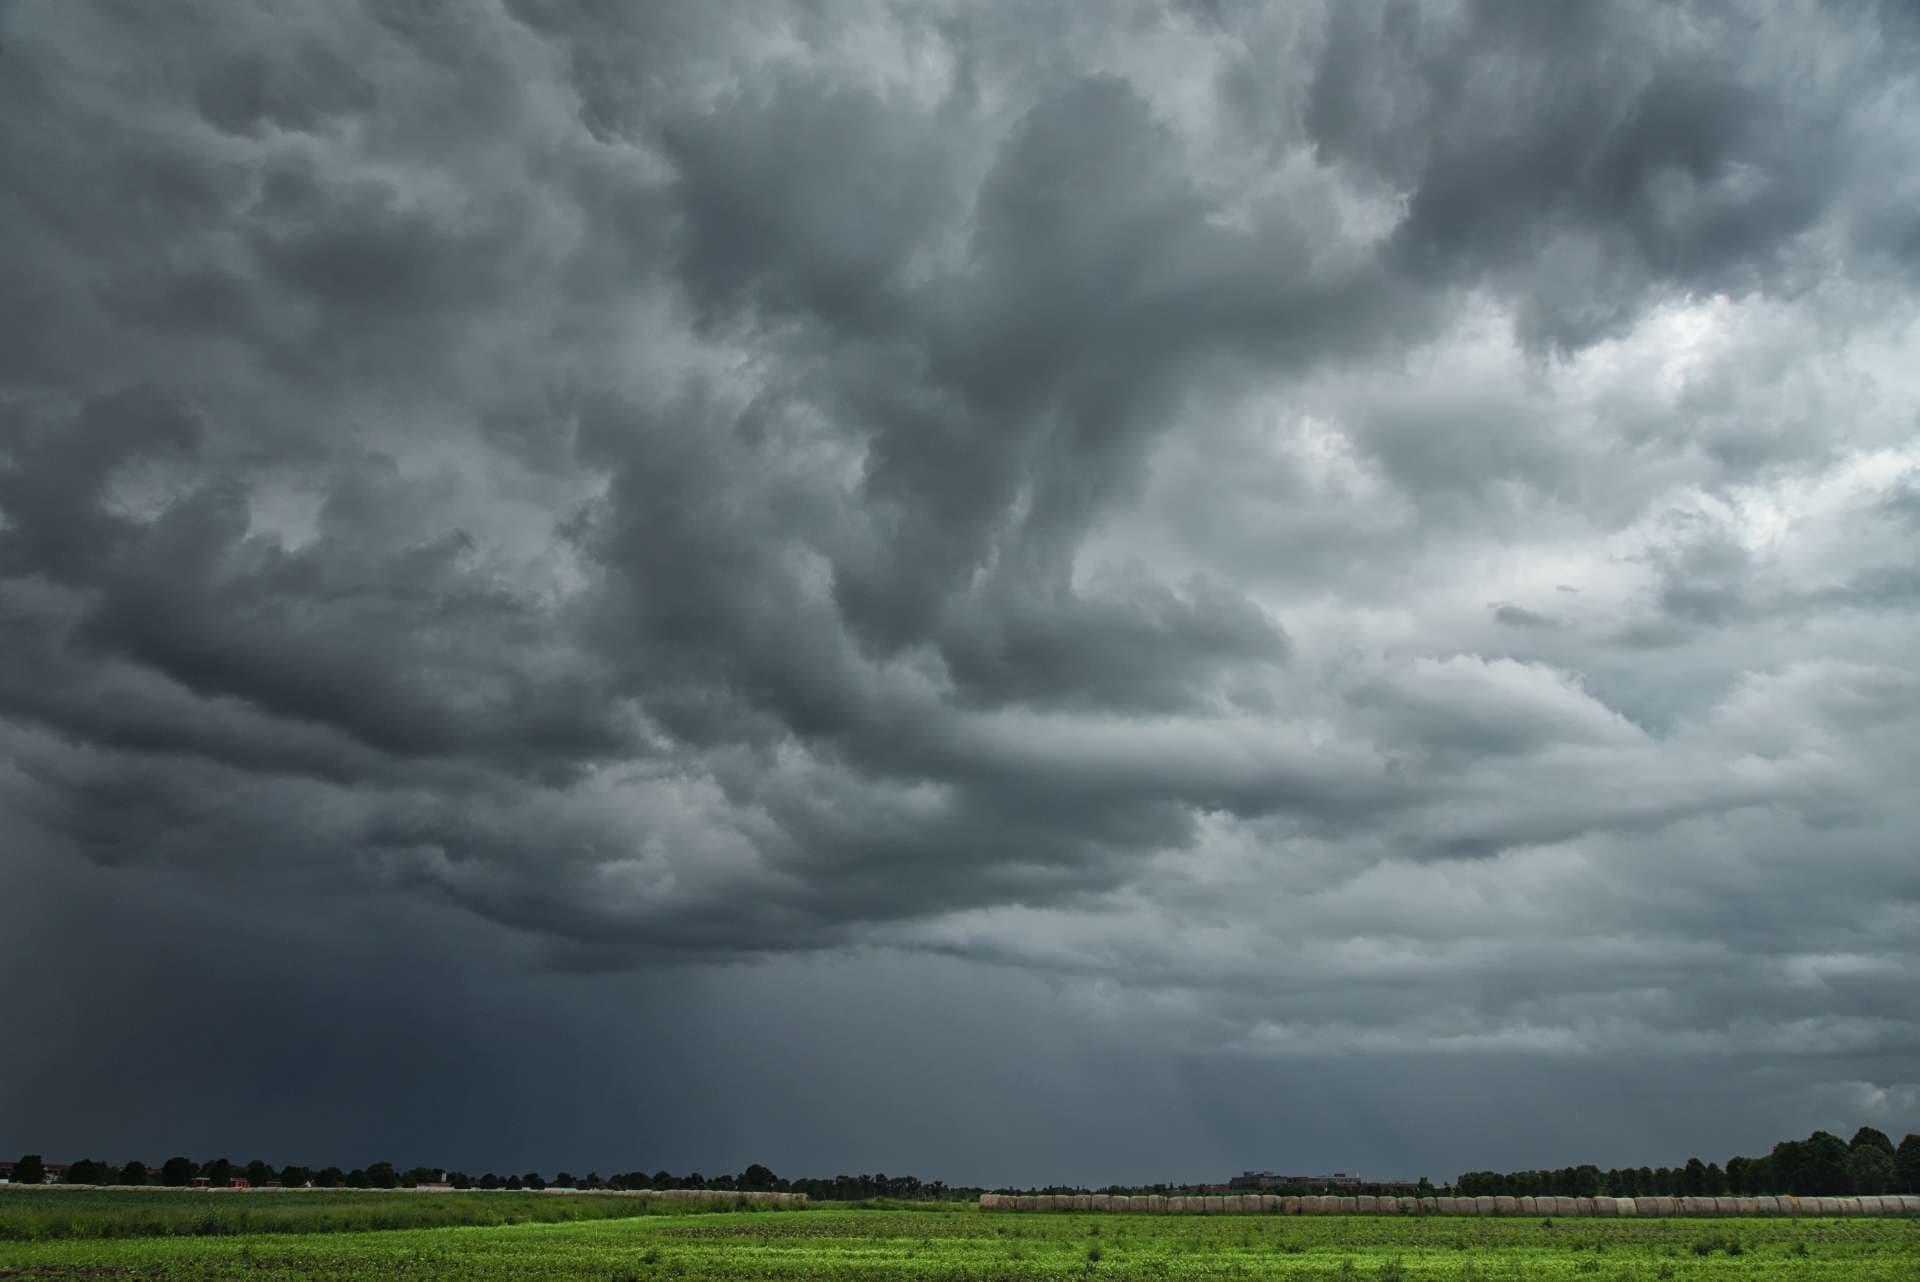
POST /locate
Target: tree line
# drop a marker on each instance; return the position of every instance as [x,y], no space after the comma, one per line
[181,1172]
[1822,1165]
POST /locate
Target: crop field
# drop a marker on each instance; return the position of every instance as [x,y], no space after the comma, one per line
[35,1215]
[832,1244]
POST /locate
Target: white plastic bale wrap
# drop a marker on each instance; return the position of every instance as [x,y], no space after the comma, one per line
[1365,1203]
[1349,1206]
[1270,1203]
[1584,1206]
[1505,1205]
[1100,1202]
[1605,1207]
[1625,1207]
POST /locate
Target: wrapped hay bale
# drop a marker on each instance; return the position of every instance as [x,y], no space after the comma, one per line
[1100,1202]
[1121,1202]
[1429,1206]
[1270,1203]
[1482,1205]
[1605,1207]
[1529,1205]
[1216,1205]
[1447,1205]
[1625,1207]
[1349,1206]
[1506,1205]
[1365,1204]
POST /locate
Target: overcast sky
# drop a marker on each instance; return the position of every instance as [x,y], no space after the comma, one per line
[1012,592]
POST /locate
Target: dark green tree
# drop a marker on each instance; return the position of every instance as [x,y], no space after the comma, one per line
[86,1171]
[218,1172]
[1870,1170]
[1906,1161]
[329,1177]
[259,1173]
[29,1170]
[133,1173]
[1824,1166]
[1693,1180]
[381,1176]
[177,1172]
[1867,1135]
[757,1177]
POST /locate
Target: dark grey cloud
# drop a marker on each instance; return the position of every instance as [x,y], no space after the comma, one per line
[1369,543]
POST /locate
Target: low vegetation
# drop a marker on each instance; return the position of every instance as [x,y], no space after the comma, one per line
[836,1244]
[37,1215]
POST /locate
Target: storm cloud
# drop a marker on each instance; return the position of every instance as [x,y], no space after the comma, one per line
[1052,556]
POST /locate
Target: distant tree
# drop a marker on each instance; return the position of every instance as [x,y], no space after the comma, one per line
[29,1170]
[757,1177]
[695,1180]
[1867,1135]
[1737,1175]
[329,1177]
[356,1178]
[381,1176]
[258,1173]
[1906,1162]
[663,1180]
[1825,1165]
[1693,1179]
[85,1171]
[1870,1170]
[133,1173]
[489,1181]
[295,1176]
[177,1172]
[533,1181]
[1716,1180]
[515,1182]
[218,1171]
[460,1179]
[420,1175]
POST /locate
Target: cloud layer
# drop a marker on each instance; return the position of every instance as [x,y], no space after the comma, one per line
[1280,536]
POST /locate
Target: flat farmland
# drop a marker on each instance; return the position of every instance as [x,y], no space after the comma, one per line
[827,1244]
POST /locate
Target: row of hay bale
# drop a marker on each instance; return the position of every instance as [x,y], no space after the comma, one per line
[1364,1204]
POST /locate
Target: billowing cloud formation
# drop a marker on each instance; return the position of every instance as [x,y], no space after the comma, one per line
[1384,531]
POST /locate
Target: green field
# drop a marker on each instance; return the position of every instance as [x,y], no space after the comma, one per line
[831,1243]
[37,1215]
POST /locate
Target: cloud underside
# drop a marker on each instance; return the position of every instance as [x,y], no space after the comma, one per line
[1380,529]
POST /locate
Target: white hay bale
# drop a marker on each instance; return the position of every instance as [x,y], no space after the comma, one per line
[1910,1204]
[1483,1205]
[1100,1202]
[1505,1204]
[1364,1204]
[1529,1205]
[1766,1206]
[1746,1206]
[1349,1206]
[1157,1203]
[1852,1206]
[1606,1206]
[1290,1204]
[1392,1206]
[1241,1203]
[1625,1207]
[1869,1205]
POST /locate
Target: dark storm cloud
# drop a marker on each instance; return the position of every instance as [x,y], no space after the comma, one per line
[1063,505]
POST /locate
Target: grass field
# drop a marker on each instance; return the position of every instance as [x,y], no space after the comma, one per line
[35,1215]
[832,1244]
